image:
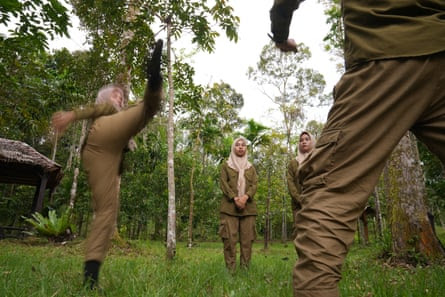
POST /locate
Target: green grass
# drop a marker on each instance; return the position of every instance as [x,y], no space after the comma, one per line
[37,268]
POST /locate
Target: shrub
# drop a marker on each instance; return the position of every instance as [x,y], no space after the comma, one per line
[54,228]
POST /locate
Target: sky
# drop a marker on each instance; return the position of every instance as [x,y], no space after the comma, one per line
[230,61]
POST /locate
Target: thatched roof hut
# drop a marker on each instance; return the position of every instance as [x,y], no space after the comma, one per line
[22,164]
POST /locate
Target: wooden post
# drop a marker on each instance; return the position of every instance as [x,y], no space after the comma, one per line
[37,204]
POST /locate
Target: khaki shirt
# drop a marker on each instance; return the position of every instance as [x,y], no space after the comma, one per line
[376,30]
[91,113]
[387,29]
[94,111]
[228,183]
[293,184]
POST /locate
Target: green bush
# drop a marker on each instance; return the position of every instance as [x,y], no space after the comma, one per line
[54,228]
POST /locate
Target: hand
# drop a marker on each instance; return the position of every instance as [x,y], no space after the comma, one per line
[244,199]
[132,146]
[287,46]
[61,119]
[239,203]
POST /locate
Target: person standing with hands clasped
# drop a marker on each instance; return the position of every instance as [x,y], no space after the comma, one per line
[238,211]
[394,82]
[109,134]
[306,144]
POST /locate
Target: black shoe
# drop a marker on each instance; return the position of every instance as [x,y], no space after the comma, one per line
[91,274]
[153,91]
[153,69]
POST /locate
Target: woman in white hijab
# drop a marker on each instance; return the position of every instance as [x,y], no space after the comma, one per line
[238,183]
[305,146]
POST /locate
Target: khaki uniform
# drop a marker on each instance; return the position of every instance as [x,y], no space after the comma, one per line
[394,83]
[101,156]
[236,223]
[294,188]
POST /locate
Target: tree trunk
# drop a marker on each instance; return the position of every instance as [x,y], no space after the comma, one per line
[283,221]
[79,223]
[73,191]
[407,210]
[284,215]
[53,155]
[192,201]
[192,191]
[69,162]
[124,77]
[267,225]
[171,220]
[439,215]
[378,213]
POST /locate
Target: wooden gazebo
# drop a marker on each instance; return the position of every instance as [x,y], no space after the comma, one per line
[22,164]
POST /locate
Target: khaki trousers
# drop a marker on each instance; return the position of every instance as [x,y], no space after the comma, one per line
[296,206]
[374,106]
[232,228]
[101,158]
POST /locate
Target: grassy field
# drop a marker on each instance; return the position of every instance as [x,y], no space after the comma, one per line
[33,267]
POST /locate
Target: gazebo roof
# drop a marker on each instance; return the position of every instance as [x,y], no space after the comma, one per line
[22,164]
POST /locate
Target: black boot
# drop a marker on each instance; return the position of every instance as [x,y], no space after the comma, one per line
[91,274]
[153,90]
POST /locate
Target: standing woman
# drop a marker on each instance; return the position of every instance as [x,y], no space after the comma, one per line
[238,211]
[109,134]
[305,145]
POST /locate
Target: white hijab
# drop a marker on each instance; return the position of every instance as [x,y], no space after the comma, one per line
[301,156]
[239,164]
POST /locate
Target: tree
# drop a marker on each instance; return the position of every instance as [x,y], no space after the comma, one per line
[35,22]
[412,233]
[314,128]
[284,80]
[210,113]
[23,73]
[271,162]
[182,15]
[334,39]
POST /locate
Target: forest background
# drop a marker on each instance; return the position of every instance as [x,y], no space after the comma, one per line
[170,182]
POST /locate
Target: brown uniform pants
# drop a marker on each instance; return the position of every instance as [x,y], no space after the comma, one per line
[375,105]
[101,158]
[231,228]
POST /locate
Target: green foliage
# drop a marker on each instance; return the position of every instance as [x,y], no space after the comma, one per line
[143,188]
[256,134]
[52,227]
[334,38]
[36,85]
[314,128]
[434,180]
[32,21]
[15,202]
[119,27]
[384,245]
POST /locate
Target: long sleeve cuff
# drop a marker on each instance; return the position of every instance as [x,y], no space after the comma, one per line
[281,17]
